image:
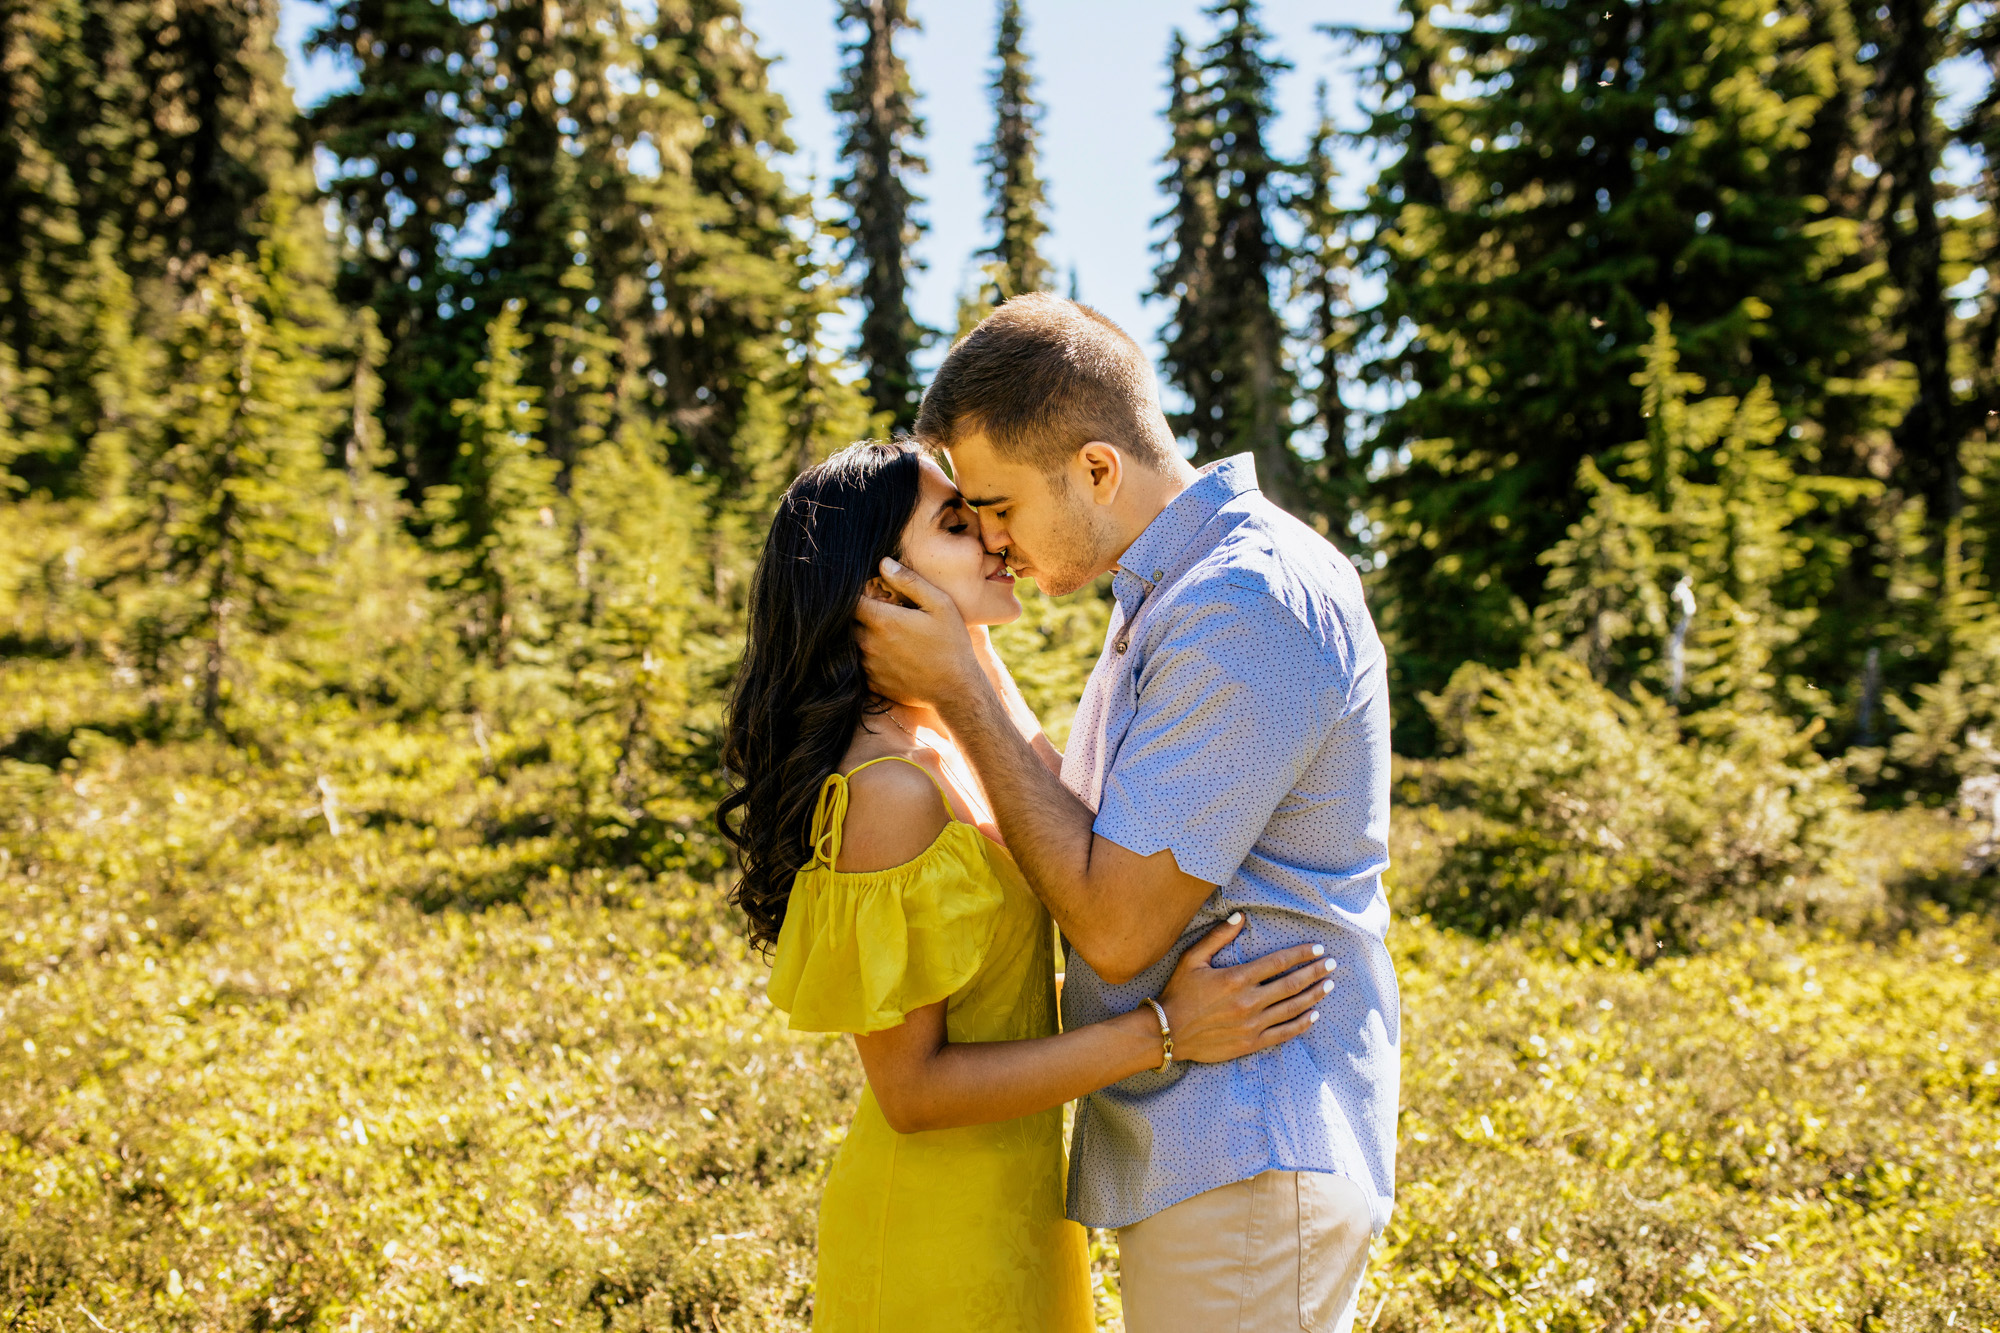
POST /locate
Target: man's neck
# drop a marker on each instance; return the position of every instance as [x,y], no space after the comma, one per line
[1150,493]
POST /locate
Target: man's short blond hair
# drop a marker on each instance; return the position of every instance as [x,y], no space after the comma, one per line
[1040,378]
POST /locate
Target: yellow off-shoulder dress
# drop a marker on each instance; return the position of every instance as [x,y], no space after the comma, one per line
[951,1229]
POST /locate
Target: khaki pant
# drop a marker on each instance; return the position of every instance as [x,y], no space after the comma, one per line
[1284,1250]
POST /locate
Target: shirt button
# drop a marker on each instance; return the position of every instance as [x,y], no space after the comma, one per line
[1121,645]
[1156,575]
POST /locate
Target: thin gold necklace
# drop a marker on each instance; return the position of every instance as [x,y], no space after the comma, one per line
[958,780]
[896,722]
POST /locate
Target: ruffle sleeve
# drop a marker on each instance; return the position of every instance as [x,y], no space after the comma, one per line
[859,952]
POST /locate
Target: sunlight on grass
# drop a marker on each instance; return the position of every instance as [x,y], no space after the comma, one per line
[250,1079]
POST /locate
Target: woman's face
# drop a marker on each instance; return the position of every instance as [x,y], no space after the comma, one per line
[942,544]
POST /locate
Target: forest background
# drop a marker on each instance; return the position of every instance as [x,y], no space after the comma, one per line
[381,485]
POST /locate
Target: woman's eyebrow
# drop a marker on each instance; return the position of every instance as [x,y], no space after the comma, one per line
[984,500]
[948,505]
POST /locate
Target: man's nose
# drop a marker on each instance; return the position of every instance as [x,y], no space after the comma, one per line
[992,536]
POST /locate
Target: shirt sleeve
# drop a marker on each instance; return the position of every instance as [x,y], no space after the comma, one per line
[1232,704]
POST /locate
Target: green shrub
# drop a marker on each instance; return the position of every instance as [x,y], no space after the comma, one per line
[1602,809]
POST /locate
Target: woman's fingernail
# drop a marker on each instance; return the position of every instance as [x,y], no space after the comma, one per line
[1326,986]
[1319,950]
[889,566]
[1313,1017]
[1236,918]
[1330,965]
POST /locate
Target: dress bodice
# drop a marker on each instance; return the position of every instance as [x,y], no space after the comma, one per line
[860,950]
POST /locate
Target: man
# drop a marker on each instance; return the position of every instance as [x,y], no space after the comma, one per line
[1231,752]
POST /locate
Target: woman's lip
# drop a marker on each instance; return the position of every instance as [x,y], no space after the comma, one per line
[1000,575]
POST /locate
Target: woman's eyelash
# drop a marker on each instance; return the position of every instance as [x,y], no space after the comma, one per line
[957,528]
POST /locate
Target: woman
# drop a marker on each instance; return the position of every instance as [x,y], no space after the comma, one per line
[871,861]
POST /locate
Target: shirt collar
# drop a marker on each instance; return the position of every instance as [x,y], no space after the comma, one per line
[1146,560]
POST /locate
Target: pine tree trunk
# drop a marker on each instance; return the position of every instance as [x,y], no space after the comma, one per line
[1271,402]
[806,427]
[218,654]
[1909,155]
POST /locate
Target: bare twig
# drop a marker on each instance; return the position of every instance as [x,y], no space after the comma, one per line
[329,805]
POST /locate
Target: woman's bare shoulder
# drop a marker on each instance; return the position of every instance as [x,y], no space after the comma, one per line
[894,813]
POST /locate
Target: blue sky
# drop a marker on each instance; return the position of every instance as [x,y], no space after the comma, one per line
[1101,71]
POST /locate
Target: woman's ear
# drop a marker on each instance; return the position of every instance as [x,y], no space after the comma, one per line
[878,591]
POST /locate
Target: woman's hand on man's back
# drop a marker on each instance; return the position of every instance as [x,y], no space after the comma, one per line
[1221,1013]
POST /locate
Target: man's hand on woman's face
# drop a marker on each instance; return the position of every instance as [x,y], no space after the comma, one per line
[919,654]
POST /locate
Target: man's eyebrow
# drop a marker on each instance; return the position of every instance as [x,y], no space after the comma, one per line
[982,501]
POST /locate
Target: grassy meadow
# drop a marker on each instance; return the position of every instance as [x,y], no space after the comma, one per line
[381,482]
[329,1039]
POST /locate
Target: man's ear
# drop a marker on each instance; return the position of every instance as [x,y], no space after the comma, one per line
[1103,471]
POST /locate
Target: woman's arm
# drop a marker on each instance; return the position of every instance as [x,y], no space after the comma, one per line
[1018,712]
[923,1081]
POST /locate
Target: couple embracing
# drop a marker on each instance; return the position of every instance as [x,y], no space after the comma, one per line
[1210,847]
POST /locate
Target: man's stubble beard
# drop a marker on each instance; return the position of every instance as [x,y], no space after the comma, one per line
[1077,547]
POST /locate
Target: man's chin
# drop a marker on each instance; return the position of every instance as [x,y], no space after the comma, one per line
[1056,585]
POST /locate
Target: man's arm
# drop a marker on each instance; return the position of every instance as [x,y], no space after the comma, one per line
[1120,910]
[1023,717]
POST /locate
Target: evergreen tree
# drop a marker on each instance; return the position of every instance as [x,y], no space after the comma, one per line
[188,172]
[1225,341]
[1564,169]
[615,179]
[159,132]
[566,200]
[1013,183]
[1692,575]
[878,105]
[42,62]
[499,515]
[1338,483]
[388,642]
[123,366]
[412,184]
[234,501]
[1183,276]
[805,407]
[1948,731]
[1606,604]
[733,242]
[1901,203]
[630,682]
[1976,335]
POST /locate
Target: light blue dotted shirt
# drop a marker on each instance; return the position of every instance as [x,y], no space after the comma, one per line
[1239,715]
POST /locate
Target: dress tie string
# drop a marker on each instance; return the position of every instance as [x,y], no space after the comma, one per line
[828,816]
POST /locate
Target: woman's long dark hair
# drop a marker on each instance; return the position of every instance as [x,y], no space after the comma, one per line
[801,690]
